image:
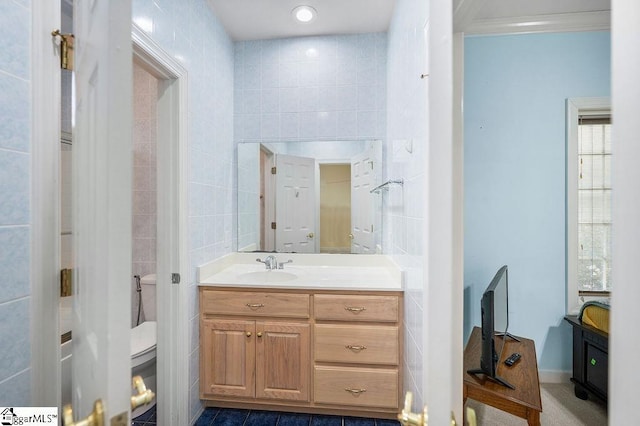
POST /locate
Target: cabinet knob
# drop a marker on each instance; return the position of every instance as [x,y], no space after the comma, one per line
[248,334]
[259,334]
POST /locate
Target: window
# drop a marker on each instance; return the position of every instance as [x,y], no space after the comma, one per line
[588,200]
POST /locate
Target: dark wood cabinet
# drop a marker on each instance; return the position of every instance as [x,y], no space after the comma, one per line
[590,360]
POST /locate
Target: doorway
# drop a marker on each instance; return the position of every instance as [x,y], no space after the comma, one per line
[168,90]
[335,208]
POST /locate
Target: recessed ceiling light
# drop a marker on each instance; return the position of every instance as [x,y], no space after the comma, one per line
[304,13]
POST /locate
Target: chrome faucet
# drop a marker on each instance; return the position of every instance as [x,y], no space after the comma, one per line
[270,262]
[281,264]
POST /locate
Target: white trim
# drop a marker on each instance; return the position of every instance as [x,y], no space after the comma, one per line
[45,203]
[316,177]
[576,107]
[464,12]
[559,22]
[625,93]
[458,217]
[442,339]
[172,140]
[269,204]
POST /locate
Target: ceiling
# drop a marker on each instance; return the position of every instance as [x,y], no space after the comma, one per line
[265,19]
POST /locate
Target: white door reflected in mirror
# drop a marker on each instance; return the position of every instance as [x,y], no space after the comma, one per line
[326,209]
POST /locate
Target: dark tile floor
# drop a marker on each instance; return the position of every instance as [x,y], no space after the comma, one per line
[234,417]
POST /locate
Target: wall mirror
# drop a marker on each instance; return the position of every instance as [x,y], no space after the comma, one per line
[309,197]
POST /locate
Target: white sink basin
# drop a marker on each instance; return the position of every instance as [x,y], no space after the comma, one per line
[266,277]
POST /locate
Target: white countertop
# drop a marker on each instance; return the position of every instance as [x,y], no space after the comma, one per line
[308,271]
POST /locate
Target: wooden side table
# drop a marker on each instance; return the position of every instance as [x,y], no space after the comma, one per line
[523,401]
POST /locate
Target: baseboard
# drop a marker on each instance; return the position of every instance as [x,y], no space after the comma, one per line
[554,376]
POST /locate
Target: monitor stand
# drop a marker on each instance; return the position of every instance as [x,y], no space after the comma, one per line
[504,335]
[496,379]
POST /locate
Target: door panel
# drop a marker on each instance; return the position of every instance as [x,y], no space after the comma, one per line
[295,204]
[362,202]
[102,207]
[283,360]
[229,346]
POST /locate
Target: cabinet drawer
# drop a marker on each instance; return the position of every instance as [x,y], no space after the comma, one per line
[356,308]
[365,387]
[360,344]
[287,305]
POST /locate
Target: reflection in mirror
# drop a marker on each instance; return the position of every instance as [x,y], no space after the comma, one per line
[309,197]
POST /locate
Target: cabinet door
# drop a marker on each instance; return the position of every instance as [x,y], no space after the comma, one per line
[227,358]
[282,361]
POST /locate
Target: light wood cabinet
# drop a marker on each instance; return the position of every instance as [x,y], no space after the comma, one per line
[316,351]
[248,358]
[357,350]
[282,361]
[228,351]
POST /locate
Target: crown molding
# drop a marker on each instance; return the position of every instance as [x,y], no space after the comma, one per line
[561,22]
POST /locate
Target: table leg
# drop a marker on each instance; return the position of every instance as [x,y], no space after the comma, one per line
[533,418]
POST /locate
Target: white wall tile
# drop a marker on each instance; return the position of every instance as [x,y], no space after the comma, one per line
[14,187]
[406,102]
[315,74]
[14,327]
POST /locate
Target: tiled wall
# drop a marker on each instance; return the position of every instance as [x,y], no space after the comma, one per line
[407,143]
[15,162]
[311,88]
[190,32]
[145,88]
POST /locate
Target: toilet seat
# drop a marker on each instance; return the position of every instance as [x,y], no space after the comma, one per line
[143,343]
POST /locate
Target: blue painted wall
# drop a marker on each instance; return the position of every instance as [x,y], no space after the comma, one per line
[515,90]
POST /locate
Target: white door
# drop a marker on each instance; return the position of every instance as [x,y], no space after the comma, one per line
[362,202]
[102,170]
[295,204]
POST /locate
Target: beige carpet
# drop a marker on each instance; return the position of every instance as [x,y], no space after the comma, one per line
[560,407]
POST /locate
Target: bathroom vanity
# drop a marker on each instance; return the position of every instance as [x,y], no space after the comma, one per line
[319,336]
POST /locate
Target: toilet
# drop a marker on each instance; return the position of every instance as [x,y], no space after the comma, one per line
[143,342]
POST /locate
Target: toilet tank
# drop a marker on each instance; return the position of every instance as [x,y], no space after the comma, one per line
[148,283]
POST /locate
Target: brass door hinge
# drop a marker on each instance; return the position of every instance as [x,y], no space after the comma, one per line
[273,170]
[273,225]
[66,49]
[66,282]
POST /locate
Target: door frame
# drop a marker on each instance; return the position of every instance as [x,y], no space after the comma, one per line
[172,353]
[45,205]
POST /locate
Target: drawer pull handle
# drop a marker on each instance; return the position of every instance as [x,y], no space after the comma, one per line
[356,348]
[355,309]
[255,305]
[355,392]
